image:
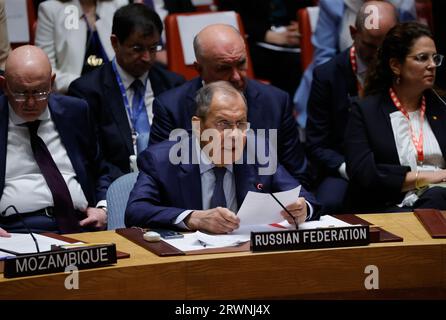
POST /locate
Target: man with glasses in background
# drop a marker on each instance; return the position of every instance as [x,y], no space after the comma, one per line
[206,195]
[121,92]
[52,176]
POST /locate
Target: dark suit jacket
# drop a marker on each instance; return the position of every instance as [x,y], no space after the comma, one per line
[164,190]
[256,14]
[268,108]
[100,89]
[1,74]
[176,6]
[373,166]
[334,83]
[72,120]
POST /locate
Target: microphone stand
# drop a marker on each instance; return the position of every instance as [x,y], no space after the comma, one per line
[23,222]
[259,186]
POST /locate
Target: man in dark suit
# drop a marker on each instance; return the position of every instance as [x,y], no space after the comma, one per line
[334,84]
[51,169]
[111,91]
[179,193]
[221,55]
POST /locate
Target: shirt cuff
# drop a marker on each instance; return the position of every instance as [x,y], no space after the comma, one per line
[309,211]
[102,203]
[343,171]
[179,220]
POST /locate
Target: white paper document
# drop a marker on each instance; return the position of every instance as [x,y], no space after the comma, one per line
[324,222]
[23,243]
[260,208]
[199,240]
[4,255]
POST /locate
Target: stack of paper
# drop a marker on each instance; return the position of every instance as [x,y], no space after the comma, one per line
[23,243]
[261,208]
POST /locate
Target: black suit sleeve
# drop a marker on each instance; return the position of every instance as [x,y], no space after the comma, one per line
[162,123]
[385,180]
[290,149]
[76,89]
[319,126]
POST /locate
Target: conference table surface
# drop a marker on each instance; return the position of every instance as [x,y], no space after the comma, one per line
[414,268]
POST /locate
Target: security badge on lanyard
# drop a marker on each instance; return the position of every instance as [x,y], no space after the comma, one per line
[132,115]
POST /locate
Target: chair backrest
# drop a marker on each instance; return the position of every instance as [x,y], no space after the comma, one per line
[175,53]
[307,19]
[204,5]
[29,14]
[117,197]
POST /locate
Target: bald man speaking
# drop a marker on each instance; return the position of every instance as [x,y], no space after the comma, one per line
[51,170]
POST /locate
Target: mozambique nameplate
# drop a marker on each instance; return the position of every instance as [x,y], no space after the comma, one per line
[310,239]
[57,261]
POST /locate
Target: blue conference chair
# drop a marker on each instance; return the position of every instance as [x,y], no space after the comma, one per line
[117,197]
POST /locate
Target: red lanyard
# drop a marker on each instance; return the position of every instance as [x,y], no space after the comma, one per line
[418,143]
[354,64]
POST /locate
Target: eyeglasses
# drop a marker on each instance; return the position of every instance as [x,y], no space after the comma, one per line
[140,49]
[226,125]
[37,96]
[425,58]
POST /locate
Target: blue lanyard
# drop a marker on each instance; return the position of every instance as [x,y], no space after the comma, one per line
[133,117]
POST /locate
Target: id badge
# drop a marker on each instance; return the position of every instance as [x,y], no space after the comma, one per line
[134,139]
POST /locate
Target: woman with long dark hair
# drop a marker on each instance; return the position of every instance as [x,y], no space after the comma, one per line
[396,136]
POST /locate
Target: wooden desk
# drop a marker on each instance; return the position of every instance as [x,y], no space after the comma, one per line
[415,268]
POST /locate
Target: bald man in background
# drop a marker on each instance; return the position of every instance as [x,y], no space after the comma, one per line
[51,170]
[335,83]
[220,54]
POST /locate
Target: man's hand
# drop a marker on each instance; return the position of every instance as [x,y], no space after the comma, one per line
[298,210]
[96,218]
[217,220]
[4,233]
[289,36]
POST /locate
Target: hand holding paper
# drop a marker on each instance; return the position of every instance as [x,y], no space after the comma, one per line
[260,208]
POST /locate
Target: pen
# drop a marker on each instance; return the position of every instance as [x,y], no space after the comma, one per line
[202,243]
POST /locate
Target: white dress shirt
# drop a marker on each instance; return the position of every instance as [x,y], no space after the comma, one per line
[407,153]
[25,186]
[208,179]
[208,184]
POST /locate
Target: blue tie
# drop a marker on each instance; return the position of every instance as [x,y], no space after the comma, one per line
[142,125]
[218,197]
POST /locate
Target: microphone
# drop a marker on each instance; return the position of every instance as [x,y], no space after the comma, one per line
[259,186]
[23,222]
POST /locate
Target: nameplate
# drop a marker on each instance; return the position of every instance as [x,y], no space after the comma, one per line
[59,260]
[310,239]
